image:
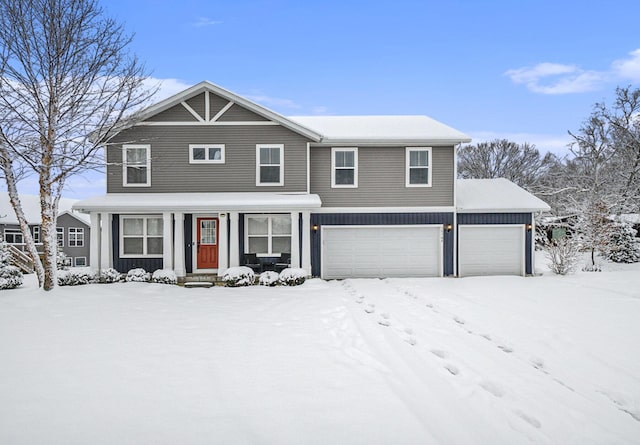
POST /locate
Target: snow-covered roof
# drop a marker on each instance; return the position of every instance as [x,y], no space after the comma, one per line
[31,209]
[495,195]
[382,129]
[198,202]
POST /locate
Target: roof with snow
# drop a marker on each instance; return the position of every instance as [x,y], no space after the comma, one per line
[382,129]
[31,209]
[198,202]
[496,196]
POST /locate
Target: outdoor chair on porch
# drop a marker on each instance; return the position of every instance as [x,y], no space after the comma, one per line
[283,262]
[251,260]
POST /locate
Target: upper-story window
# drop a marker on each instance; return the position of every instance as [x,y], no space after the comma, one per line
[36,234]
[206,154]
[136,164]
[344,167]
[76,237]
[60,236]
[418,172]
[269,164]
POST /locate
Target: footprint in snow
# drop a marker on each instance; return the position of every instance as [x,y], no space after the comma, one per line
[537,363]
[527,418]
[452,369]
[411,340]
[440,353]
[486,336]
[384,322]
[492,388]
[458,320]
[505,348]
[370,309]
[360,299]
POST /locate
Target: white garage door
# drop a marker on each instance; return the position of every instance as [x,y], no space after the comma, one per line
[381,251]
[490,250]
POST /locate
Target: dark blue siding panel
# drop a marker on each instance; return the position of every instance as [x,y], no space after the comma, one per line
[504,218]
[123,265]
[188,242]
[379,219]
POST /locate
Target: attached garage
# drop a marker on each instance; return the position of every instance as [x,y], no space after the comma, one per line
[381,251]
[491,249]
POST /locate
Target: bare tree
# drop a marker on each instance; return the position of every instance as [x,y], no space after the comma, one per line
[501,158]
[66,81]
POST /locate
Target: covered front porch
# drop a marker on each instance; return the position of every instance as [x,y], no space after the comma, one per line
[199,233]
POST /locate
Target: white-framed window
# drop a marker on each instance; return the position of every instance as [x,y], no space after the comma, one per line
[136,165]
[418,171]
[268,235]
[344,167]
[13,236]
[206,153]
[80,261]
[36,234]
[60,236]
[270,164]
[68,261]
[141,236]
[76,237]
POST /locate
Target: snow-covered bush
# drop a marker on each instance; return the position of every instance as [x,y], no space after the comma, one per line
[269,278]
[109,275]
[623,247]
[138,275]
[10,277]
[293,276]
[62,260]
[75,276]
[164,276]
[5,255]
[238,276]
[564,254]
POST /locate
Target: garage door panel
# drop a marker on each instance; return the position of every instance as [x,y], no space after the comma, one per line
[387,251]
[490,250]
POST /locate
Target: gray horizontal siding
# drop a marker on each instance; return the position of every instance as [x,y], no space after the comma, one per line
[65,221]
[177,113]
[381,179]
[504,218]
[197,103]
[320,219]
[171,171]
[238,114]
[216,103]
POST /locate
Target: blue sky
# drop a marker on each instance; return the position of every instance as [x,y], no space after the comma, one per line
[525,70]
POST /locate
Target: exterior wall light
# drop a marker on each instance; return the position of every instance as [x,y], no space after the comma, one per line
[315,228]
[529,227]
[449,227]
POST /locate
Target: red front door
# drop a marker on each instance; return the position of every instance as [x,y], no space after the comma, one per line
[207,243]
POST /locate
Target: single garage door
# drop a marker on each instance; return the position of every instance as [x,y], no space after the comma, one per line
[381,251]
[490,250]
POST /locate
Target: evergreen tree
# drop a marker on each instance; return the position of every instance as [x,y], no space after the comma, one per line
[623,247]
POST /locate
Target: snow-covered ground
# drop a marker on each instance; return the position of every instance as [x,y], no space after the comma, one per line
[495,360]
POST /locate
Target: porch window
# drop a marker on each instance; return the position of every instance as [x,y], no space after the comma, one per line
[136,165]
[13,236]
[76,237]
[141,236]
[270,164]
[268,235]
[344,167]
[60,236]
[206,154]
[80,261]
[418,167]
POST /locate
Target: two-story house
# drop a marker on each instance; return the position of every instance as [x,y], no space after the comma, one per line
[207,179]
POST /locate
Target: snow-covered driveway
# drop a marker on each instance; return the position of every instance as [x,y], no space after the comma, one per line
[456,361]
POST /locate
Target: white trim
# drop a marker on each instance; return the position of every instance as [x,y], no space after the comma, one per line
[385,210]
[306,242]
[523,234]
[105,241]
[533,245]
[192,111]
[221,112]
[323,228]
[223,242]
[182,123]
[207,106]
[75,261]
[206,148]
[144,236]
[125,147]
[308,167]
[234,239]
[167,240]
[178,248]
[281,165]
[408,167]
[76,231]
[354,150]
[270,234]
[59,243]
[194,240]
[94,241]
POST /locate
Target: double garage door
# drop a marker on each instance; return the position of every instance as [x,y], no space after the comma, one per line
[491,250]
[381,251]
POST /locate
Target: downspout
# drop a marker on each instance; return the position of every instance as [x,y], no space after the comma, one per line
[455,209]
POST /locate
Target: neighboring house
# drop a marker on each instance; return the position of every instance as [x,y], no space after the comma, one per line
[73,229]
[208,179]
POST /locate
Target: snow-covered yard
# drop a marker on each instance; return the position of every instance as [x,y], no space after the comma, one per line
[496,360]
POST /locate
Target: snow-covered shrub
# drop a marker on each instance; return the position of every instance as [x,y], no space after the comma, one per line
[238,276]
[164,276]
[109,275]
[5,255]
[623,247]
[138,275]
[564,254]
[293,276]
[62,260]
[10,277]
[269,278]
[75,276]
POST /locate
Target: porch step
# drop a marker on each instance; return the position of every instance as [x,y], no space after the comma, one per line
[205,284]
[200,280]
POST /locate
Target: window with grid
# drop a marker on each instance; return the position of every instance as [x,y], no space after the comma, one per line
[137,165]
[76,237]
[344,167]
[418,171]
[206,154]
[141,236]
[60,236]
[270,164]
[268,234]
[13,236]
[36,234]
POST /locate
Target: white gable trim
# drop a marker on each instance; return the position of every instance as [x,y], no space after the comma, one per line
[192,111]
[221,112]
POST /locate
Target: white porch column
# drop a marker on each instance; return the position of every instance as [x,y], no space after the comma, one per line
[167,241]
[306,241]
[178,261]
[223,243]
[94,241]
[295,239]
[234,240]
[105,240]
